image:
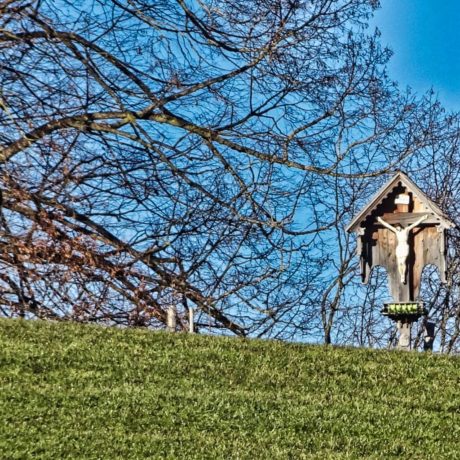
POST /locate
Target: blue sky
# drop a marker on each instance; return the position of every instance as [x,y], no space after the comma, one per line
[425,38]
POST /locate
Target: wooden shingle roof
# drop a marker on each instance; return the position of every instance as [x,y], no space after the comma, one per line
[405,181]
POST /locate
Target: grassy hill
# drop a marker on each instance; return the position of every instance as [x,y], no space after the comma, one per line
[75,391]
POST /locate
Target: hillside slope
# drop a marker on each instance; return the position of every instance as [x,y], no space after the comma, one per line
[75,391]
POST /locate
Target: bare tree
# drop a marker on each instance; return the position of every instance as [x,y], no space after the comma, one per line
[200,153]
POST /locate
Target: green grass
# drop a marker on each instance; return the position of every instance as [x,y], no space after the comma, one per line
[73,391]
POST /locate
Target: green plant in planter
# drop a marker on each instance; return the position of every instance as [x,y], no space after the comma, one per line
[403,308]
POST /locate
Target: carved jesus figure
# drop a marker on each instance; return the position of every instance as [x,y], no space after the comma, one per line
[402,245]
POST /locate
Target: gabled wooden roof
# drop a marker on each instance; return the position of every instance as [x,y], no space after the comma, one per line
[402,178]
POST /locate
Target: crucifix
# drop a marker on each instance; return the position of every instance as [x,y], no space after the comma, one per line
[402,245]
[386,237]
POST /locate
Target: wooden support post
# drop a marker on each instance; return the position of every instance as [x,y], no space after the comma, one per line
[404,339]
[171,320]
[191,325]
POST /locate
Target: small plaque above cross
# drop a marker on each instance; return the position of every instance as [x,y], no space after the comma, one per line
[402,199]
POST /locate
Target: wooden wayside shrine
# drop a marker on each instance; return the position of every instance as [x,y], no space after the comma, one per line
[402,230]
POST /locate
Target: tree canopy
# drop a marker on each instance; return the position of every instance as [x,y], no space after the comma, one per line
[205,154]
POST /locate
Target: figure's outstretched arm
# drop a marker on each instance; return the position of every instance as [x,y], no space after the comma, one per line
[417,222]
[386,224]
